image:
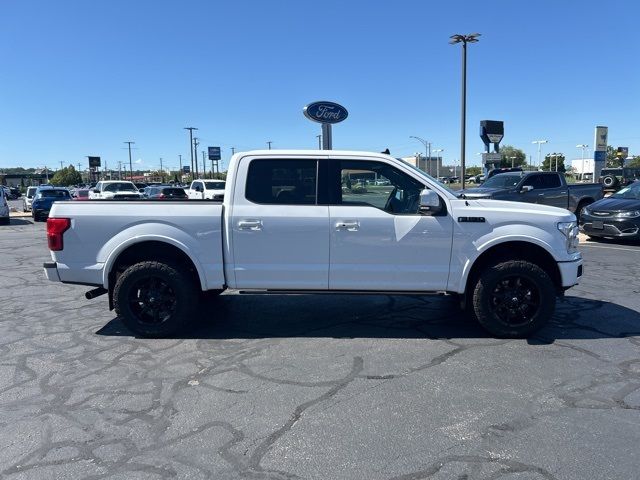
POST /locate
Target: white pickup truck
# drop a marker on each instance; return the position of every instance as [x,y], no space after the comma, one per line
[114,190]
[318,222]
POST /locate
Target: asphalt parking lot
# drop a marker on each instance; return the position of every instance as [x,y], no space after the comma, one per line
[344,387]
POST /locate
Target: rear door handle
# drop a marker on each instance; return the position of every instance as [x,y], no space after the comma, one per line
[250,225]
[349,226]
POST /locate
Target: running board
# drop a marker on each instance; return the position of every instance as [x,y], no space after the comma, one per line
[338,292]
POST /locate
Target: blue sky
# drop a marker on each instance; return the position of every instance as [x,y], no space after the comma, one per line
[79,78]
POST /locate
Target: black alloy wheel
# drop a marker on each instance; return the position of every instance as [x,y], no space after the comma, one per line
[152,300]
[515,300]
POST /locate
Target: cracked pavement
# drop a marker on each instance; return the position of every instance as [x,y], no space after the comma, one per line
[317,387]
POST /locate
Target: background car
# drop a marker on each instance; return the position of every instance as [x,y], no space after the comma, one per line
[166,193]
[44,200]
[616,216]
[80,194]
[28,199]
[4,208]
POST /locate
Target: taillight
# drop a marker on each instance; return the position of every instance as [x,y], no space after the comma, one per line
[161,195]
[55,228]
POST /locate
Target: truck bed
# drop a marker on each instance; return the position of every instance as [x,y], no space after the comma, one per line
[193,226]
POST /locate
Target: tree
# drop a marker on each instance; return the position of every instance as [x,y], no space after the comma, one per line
[67,176]
[635,162]
[519,158]
[473,171]
[549,163]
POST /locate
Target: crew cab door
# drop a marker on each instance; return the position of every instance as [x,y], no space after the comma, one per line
[379,240]
[280,231]
[547,190]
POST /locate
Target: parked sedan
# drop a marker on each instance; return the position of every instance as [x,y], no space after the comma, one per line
[615,216]
[44,200]
[166,193]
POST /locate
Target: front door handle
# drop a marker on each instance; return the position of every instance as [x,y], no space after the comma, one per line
[349,226]
[250,225]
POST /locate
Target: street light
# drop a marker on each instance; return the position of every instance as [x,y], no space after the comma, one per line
[582,146]
[427,151]
[436,151]
[539,142]
[464,39]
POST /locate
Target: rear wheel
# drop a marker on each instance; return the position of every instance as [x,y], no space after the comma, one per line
[514,298]
[155,299]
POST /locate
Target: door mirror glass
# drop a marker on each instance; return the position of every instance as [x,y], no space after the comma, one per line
[429,202]
[526,188]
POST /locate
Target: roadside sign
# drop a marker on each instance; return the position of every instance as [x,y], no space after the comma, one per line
[186,169]
[325,112]
[94,161]
[491,157]
[214,153]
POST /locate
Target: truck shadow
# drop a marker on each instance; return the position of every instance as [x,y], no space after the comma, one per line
[383,316]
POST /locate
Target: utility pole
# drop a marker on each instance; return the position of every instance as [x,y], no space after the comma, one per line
[319,137]
[119,170]
[269,143]
[233,151]
[130,162]
[204,166]
[195,155]
[180,157]
[61,164]
[191,129]
[161,171]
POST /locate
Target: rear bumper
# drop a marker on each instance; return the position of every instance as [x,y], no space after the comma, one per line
[570,272]
[51,271]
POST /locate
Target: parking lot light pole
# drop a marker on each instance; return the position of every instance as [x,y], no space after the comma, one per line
[436,151]
[427,147]
[582,146]
[464,39]
[130,164]
[539,142]
[191,129]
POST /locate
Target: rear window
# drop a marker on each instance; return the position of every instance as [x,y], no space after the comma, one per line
[283,182]
[120,187]
[176,192]
[54,194]
[31,191]
[214,185]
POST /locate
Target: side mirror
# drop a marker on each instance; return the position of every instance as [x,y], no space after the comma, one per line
[526,188]
[430,202]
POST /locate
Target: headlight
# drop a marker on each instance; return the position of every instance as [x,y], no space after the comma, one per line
[631,214]
[586,210]
[570,231]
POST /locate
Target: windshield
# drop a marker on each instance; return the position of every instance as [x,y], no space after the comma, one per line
[426,175]
[120,187]
[502,180]
[632,192]
[53,194]
[214,185]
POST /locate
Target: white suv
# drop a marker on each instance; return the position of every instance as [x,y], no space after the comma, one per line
[4,208]
[207,190]
[114,189]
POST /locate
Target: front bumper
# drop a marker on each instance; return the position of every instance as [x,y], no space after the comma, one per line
[570,272]
[611,226]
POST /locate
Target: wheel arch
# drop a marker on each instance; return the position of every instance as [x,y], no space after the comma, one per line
[150,249]
[515,250]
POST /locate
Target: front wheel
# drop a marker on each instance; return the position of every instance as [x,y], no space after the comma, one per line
[155,299]
[513,299]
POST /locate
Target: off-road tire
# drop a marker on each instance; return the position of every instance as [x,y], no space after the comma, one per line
[493,300]
[174,301]
[610,181]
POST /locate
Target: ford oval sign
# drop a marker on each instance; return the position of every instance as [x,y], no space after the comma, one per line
[325,112]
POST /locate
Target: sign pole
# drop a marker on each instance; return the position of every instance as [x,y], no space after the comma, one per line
[327,141]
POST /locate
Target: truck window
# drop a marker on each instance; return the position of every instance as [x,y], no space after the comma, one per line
[379,185]
[282,182]
[550,181]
